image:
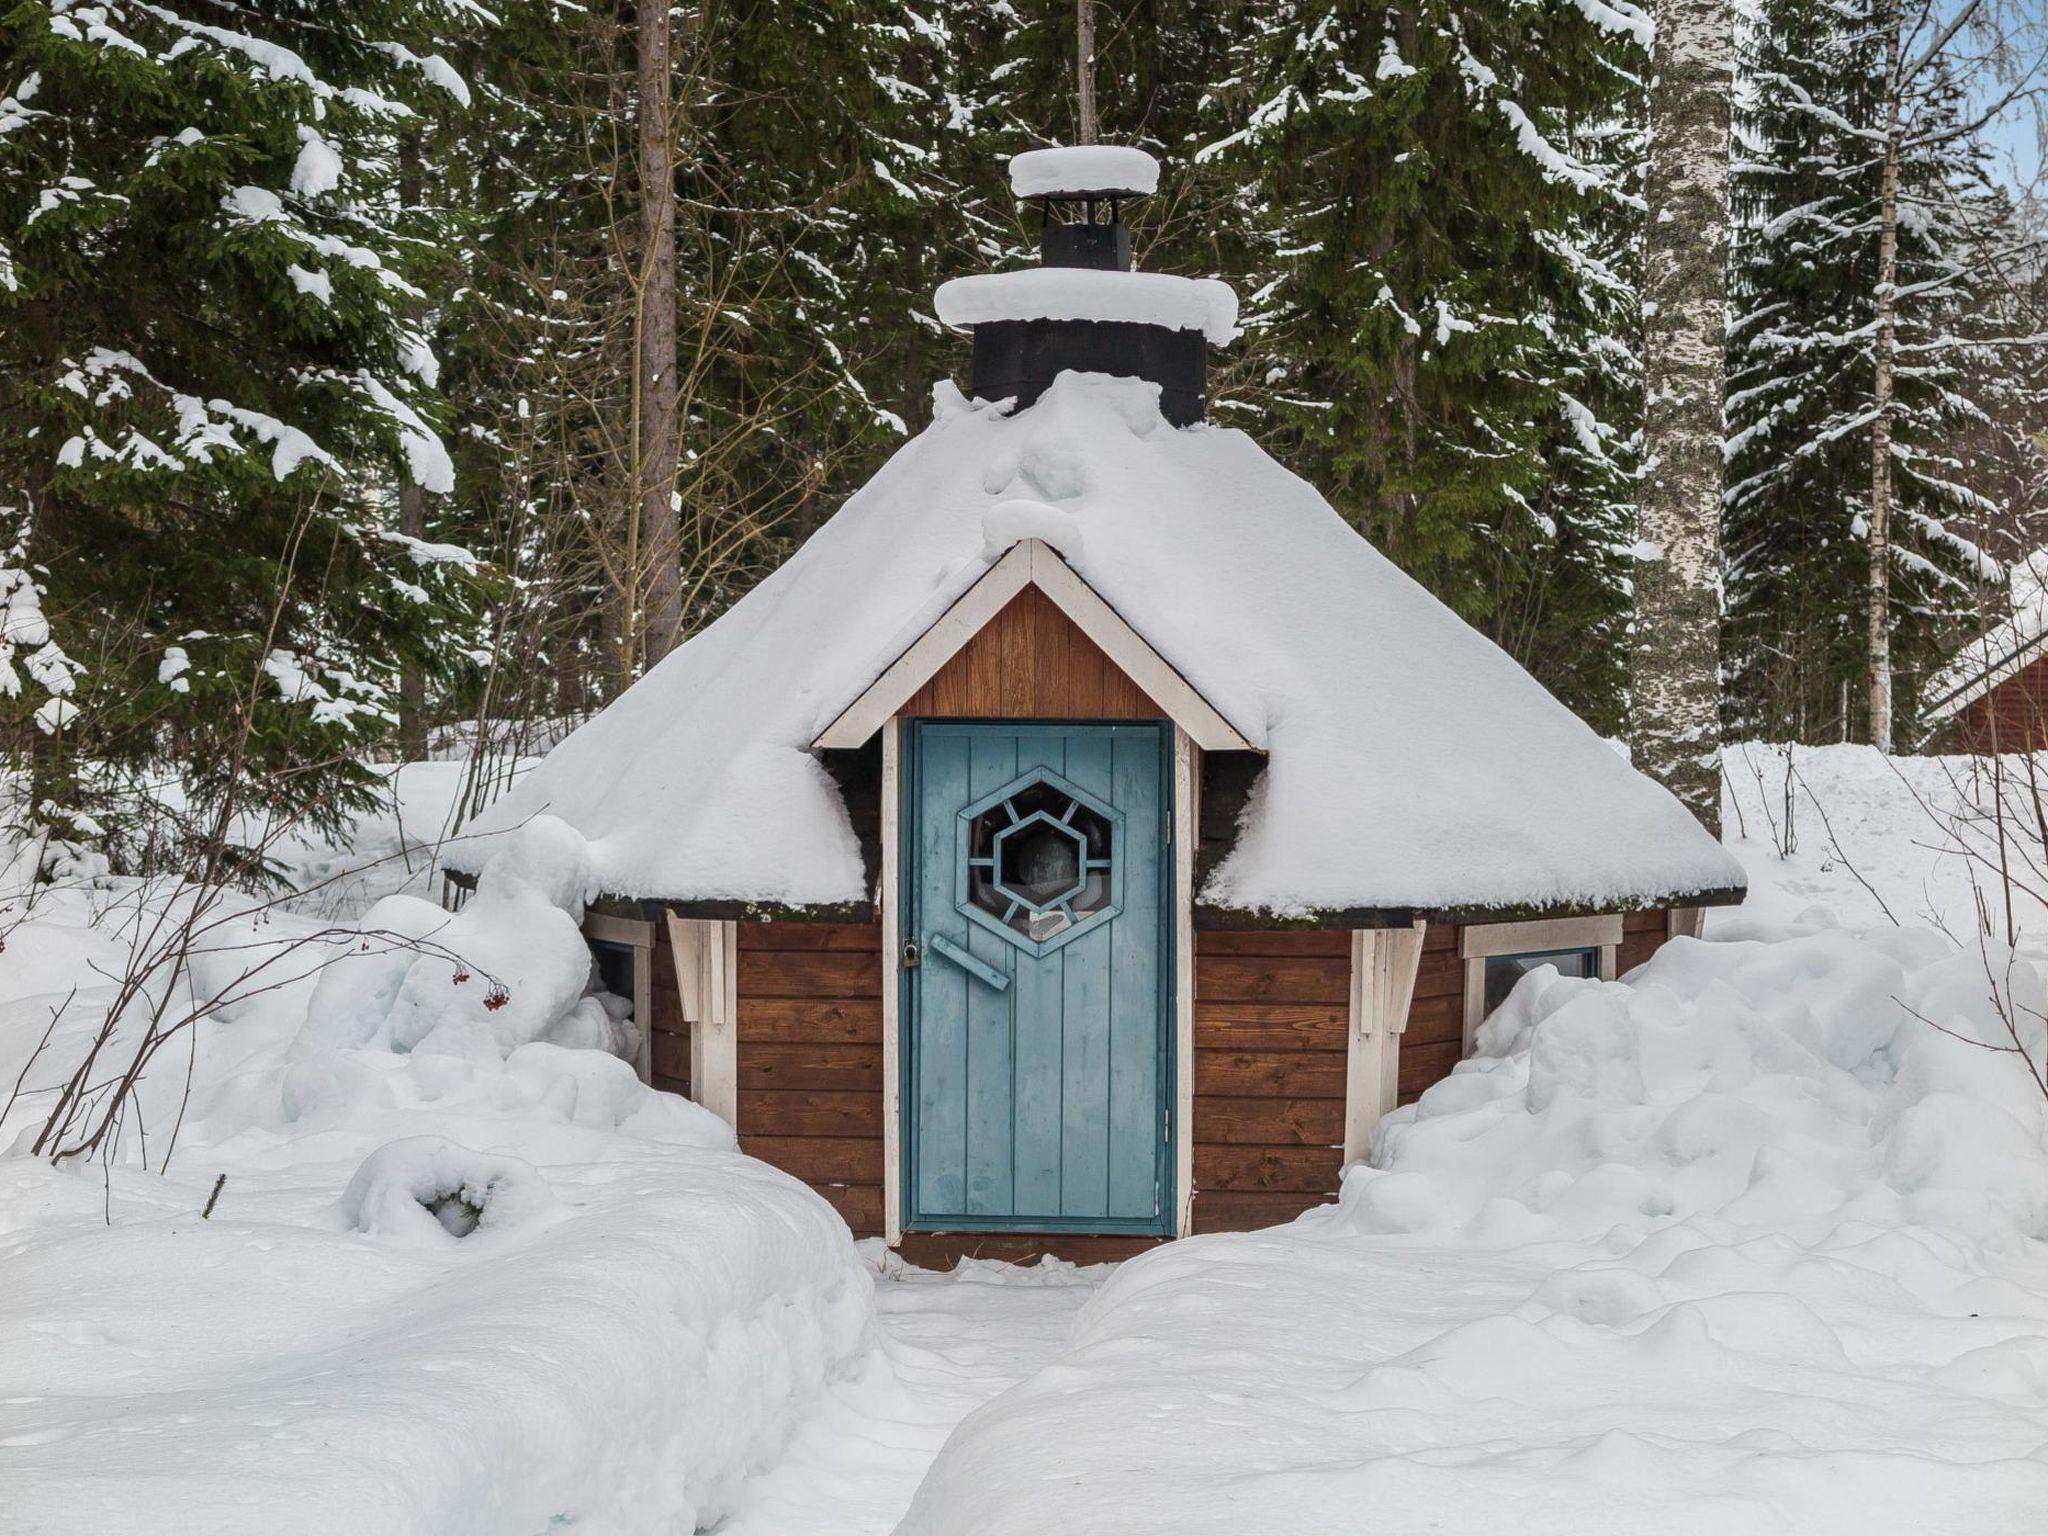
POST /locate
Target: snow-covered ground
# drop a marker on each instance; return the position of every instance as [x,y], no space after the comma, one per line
[1756,1241]
[464,1272]
[1748,1245]
[949,1343]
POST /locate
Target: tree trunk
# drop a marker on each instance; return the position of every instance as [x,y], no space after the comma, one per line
[1886,358]
[660,524]
[1675,680]
[412,514]
[1084,70]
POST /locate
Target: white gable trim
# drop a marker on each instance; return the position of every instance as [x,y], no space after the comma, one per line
[1033,563]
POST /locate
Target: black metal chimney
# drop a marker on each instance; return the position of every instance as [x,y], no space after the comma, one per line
[1081,194]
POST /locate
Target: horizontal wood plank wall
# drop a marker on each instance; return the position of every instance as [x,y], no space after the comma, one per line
[2012,717]
[810,1059]
[1271,1015]
[1436,1016]
[1032,661]
[1642,935]
[671,1043]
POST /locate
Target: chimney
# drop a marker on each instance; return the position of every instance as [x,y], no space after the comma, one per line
[1085,310]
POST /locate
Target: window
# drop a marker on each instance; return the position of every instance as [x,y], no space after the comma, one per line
[1503,971]
[1497,955]
[1038,861]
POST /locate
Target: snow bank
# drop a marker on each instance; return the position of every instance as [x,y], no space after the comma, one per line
[1203,304]
[1079,169]
[460,1278]
[1858,836]
[1411,762]
[1757,1243]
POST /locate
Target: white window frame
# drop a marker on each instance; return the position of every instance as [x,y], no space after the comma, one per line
[638,934]
[1480,942]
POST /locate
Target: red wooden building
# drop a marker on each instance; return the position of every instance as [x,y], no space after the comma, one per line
[1086,838]
[1994,696]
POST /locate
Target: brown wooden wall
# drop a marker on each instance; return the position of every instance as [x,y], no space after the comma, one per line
[671,1044]
[2013,717]
[1436,1018]
[1642,935]
[810,1059]
[1032,662]
[1271,1013]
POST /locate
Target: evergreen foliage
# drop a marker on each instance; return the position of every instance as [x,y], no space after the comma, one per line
[1436,318]
[1801,374]
[211,375]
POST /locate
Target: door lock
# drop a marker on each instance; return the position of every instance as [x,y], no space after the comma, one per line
[912,959]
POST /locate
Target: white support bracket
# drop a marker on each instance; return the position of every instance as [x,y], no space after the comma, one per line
[707,986]
[1384,963]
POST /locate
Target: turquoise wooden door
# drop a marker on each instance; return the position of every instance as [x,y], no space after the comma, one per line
[1038,1061]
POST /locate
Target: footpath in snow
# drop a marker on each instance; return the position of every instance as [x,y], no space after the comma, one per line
[949,1343]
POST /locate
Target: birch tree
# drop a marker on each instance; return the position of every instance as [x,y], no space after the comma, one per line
[1927,44]
[1675,662]
[655,393]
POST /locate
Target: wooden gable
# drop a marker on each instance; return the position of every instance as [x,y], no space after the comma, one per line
[1032,662]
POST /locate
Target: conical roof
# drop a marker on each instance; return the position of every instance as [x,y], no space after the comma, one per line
[1410,762]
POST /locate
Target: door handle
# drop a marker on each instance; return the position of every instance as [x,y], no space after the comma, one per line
[974,966]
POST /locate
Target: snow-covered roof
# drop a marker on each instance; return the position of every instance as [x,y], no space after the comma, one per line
[1411,763]
[2010,644]
[1203,304]
[1083,170]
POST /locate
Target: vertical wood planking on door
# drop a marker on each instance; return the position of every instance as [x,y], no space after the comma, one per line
[1087,964]
[1039,1049]
[939,1086]
[1137,1052]
[991,1062]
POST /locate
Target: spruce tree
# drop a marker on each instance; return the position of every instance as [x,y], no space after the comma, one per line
[214,379]
[1431,302]
[1804,272]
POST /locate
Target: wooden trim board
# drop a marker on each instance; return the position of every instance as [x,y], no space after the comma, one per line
[707,987]
[1031,562]
[1187,779]
[1384,964]
[892,982]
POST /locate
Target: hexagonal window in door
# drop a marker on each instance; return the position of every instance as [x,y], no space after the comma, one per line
[1038,861]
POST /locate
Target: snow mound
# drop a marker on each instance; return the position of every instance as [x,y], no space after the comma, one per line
[427,1189]
[511,967]
[488,1284]
[1755,1242]
[1204,304]
[1076,170]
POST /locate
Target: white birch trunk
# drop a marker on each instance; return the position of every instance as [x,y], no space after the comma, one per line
[1885,359]
[1675,680]
[1084,70]
[655,385]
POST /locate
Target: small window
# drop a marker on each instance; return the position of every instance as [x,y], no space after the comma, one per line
[1039,861]
[614,963]
[1503,971]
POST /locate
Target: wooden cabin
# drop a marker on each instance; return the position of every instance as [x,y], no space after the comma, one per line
[1993,696]
[1086,838]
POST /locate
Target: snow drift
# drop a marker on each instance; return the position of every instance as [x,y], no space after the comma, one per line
[1757,1243]
[466,1274]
